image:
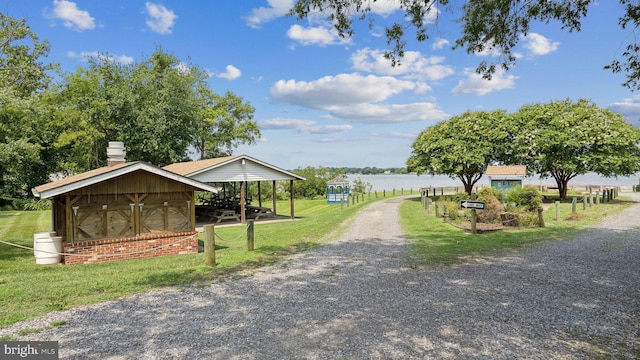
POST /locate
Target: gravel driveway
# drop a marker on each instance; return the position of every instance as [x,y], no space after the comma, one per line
[356,299]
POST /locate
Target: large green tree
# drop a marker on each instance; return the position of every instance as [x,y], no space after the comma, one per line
[563,139]
[463,146]
[159,107]
[497,25]
[25,151]
[22,54]
[223,123]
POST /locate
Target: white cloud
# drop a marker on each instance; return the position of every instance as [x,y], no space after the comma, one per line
[629,108]
[303,126]
[357,98]
[231,73]
[73,18]
[539,45]
[161,19]
[318,35]
[343,89]
[261,15]
[84,55]
[440,43]
[476,84]
[389,113]
[413,65]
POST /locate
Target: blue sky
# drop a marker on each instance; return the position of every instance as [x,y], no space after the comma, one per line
[322,100]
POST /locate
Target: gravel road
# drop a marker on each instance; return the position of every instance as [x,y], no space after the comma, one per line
[357,299]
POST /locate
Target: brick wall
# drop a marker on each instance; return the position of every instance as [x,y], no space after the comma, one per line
[143,246]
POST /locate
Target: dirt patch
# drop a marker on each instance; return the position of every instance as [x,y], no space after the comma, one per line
[480,227]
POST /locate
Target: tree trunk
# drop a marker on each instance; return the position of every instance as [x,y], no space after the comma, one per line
[468,187]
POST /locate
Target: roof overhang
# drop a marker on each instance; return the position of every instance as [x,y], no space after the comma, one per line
[79,181]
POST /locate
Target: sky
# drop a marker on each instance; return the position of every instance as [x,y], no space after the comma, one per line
[322,100]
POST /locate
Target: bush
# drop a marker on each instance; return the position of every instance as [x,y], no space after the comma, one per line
[489,192]
[492,210]
[527,219]
[36,205]
[526,197]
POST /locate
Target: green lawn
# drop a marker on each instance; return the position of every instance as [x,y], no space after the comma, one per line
[435,243]
[28,290]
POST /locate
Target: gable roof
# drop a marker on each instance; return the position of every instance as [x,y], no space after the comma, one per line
[95,176]
[520,170]
[231,168]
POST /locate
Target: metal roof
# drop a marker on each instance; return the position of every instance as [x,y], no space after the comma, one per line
[92,177]
[230,169]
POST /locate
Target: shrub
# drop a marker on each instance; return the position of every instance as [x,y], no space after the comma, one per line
[527,219]
[36,205]
[526,197]
[488,192]
[492,210]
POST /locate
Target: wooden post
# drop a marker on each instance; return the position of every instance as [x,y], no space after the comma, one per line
[384,193]
[291,201]
[274,196]
[557,210]
[584,202]
[574,203]
[590,199]
[474,219]
[209,245]
[428,202]
[437,210]
[597,197]
[540,217]
[250,235]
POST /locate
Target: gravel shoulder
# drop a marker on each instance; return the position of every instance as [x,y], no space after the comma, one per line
[357,299]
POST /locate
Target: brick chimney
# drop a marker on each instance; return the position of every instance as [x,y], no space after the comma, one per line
[116,153]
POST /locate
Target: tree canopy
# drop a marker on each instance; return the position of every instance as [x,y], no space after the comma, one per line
[161,107]
[563,139]
[463,146]
[496,25]
[560,139]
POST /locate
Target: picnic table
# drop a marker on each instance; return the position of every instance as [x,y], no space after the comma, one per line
[256,212]
[225,214]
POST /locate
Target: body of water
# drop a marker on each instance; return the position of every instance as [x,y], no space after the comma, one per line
[395,181]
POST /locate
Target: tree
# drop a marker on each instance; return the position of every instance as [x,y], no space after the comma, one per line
[563,139]
[21,68]
[223,123]
[463,146]
[25,151]
[496,25]
[159,107]
[316,183]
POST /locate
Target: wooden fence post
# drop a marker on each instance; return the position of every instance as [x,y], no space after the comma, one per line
[209,245]
[474,219]
[557,210]
[584,202]
[540,217]
[250,235]
[597,197]
[428,203]
[437,210]
[574,203]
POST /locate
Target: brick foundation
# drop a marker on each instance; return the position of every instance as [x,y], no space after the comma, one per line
[143,246]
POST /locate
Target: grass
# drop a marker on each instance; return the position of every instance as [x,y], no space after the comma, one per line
[435,243]
[28,290]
